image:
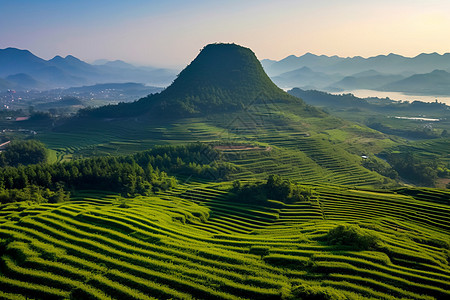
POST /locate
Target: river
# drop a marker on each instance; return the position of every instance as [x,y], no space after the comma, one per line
[397,96]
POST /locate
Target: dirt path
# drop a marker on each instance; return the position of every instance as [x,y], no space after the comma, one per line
[4,144]
[241,148]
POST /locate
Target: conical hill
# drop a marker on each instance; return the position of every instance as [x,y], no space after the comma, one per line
[222,78]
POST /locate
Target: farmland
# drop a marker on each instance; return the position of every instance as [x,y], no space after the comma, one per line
[192,242]
[222,186]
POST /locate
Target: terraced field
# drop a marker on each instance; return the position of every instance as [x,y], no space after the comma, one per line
[436,148]
[307,149]
[314,163]
[192,242]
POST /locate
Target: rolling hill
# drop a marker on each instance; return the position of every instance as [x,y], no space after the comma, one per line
[434,83]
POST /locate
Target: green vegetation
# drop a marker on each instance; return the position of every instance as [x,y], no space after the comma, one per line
[353,236]
[422,158]
[121,174]
[141,173]
[33,193]
[273,199]
[191,241]
[274,188]
[23,153]
[423,162]
[414,169]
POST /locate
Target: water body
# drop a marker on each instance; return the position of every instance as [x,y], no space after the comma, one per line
[397,96]
[418,118]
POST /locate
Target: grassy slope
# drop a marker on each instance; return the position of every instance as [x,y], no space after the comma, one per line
[329,147]
[191,242]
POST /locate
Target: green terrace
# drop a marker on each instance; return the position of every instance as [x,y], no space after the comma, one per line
[192,242]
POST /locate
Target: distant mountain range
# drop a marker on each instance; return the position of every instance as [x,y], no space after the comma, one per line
[424,74]
[390,64]
[20,69]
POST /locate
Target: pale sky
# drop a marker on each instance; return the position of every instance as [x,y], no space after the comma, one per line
[171,32]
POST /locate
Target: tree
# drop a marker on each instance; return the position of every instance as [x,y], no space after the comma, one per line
[24,153]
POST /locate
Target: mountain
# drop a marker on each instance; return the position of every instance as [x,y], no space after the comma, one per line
[364,80]
[309,60]
[266,63]
[333,73]
[5,84]
[305,78]
[75,66]
[435,83]
[390,64]
[56,77]
[119,64]
[63,72]
[320,98]
[14,61]
[228,72]
[223,77]
[128,87]
[25,81]
[352,103]
[123,72]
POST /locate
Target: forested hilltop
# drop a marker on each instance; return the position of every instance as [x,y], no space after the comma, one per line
[222,78]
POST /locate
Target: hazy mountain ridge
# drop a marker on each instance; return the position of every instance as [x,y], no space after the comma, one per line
[383,72]
[390,64]
[331,73]
[305,77]
[436,82]
[69,71]
[365,82]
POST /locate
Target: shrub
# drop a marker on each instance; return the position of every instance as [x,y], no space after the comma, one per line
[353,236]
[275,188]
[259,250]
[315,292]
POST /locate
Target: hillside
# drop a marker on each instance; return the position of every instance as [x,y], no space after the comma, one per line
[223,77]
[200,238]
[434,83]
[191,242]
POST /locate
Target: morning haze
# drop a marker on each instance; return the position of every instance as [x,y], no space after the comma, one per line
[152,32]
